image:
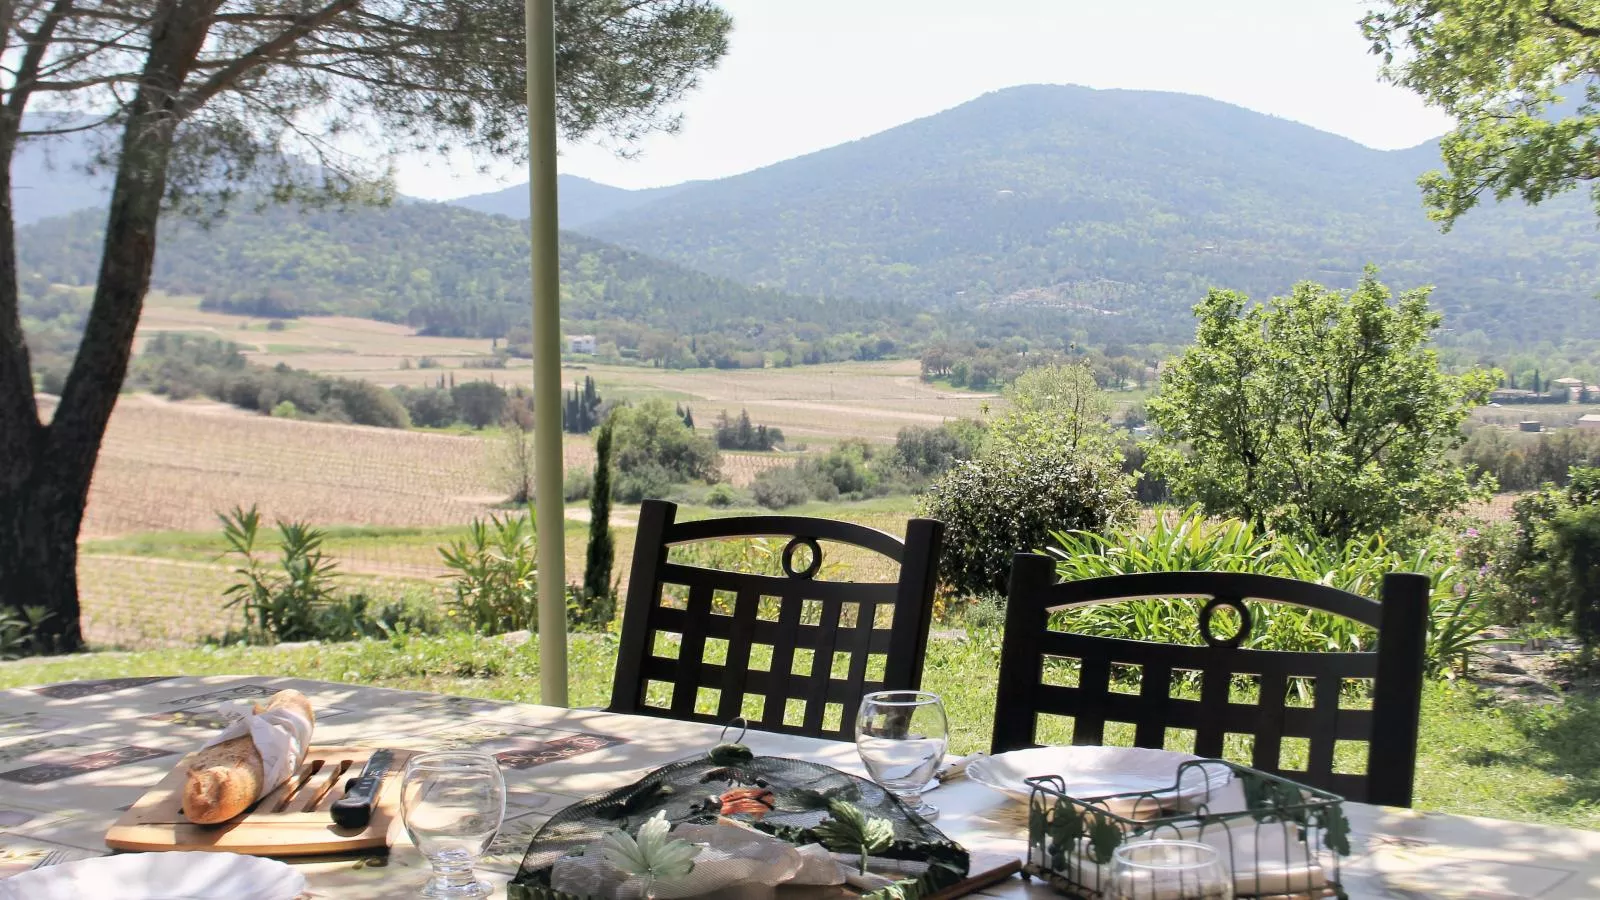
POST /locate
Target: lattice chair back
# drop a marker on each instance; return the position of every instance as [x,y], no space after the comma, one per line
[791,652]
[1290,713]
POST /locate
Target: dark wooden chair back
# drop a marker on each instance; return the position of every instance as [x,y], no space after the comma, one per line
[824,643]
[1388,728]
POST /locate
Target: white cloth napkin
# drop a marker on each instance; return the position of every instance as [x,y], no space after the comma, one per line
[281,736]
[735,863]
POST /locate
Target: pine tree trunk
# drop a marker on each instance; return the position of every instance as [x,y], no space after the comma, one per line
[45,470]
[39,561]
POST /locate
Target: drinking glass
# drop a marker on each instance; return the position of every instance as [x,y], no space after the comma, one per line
[902,737]
[1169,870]
[453,803]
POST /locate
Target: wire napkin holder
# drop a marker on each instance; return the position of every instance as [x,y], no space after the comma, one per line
[1279,839]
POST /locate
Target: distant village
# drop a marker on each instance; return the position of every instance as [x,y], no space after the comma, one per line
[1556,391]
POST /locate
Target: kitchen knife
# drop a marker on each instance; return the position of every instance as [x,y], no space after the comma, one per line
[354,809]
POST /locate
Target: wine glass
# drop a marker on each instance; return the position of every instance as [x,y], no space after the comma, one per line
[902,737]
[1169,870]
[453,803]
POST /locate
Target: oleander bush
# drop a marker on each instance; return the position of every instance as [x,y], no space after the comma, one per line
[496,575]
[297,598]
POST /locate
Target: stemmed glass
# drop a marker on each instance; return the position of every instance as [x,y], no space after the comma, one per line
[1169,870]
[902,737]
[453,803]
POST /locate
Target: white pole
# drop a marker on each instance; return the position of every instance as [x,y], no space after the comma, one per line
[548,499]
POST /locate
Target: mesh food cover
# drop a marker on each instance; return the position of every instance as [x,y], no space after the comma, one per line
[751,823]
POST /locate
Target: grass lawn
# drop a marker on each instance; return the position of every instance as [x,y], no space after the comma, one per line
[1532,764]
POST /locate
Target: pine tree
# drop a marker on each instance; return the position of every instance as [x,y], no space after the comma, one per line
[688,418]
[602,548]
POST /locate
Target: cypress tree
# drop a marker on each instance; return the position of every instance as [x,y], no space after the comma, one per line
[602,548]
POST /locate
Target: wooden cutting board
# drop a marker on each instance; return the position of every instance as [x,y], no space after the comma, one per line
[983,870]
[291,821]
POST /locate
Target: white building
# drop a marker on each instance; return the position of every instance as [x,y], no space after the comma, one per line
[581,343]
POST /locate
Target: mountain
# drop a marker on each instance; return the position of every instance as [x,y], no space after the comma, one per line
[579,201]
[452,271]
[1121,208]
[48,177]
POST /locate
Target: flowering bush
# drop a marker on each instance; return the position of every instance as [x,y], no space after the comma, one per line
[1541,566]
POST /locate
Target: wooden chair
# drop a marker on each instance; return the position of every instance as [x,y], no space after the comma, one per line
[823,643]
[1033,656]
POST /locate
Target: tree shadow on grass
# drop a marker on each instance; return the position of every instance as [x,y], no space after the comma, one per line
[1563,740]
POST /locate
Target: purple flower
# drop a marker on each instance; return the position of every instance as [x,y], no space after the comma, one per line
[1472,532]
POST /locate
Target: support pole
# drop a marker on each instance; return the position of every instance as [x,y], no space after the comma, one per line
[548,497]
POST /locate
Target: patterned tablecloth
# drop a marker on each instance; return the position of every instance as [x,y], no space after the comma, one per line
[74,755]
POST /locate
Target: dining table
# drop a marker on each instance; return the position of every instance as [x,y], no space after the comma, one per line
[75,755]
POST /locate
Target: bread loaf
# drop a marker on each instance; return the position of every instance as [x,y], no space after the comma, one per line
[225,778]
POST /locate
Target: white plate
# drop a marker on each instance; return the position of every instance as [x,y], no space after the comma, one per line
[159,876]
[1097,772]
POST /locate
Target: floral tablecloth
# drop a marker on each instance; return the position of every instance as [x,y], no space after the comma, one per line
[73,756]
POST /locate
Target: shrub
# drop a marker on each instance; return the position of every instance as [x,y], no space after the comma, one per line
[577,485]
[845,468]
[722,496]
[368,404]
[646,480]
[652,435]
[21,631]
[286,410]
[358,615]
[282,604]
[1575,545]
[428,407]
[495,585]
[515,463]
[586,613]
[782,487]
[1539,569]
[931,452]
[1191,542]
[479,403]
[1011,498]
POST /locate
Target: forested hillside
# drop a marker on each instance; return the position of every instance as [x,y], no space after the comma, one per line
[450,271]
[580,200]
[1123,206]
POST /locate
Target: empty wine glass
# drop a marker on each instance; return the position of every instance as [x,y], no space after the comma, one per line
[1169,870]
[902,737]
[453,803]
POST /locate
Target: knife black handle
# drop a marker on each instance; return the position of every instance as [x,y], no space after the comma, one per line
[354,809]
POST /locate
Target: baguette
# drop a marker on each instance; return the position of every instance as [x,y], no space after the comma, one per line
[224,779]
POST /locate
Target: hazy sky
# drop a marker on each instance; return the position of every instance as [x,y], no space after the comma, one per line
[802,75]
